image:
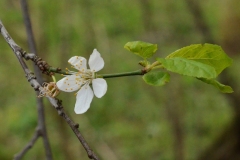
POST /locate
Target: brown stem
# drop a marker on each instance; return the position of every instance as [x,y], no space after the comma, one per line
[29,145]
[40,106]
[35,84]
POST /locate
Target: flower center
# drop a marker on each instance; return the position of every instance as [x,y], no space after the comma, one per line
[84,77]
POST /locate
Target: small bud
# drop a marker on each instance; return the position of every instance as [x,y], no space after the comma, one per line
[143,63]
[39,62]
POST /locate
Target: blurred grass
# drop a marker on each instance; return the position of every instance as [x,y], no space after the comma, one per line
[132,120]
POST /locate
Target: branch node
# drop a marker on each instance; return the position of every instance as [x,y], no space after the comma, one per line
[39,131]
[28,56]
[144,71]
[91,154]
[36,88]
[59,102]
[18,49]
[30,76]
[24,54]
[58,107]
[76,125]
[35,58]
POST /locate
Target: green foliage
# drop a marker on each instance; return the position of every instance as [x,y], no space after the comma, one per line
[204,62]
[142,49]
[223,88]
[188,67]
[156,78]
[128,103]
[209,54]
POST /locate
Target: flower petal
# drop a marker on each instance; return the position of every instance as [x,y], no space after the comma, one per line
[84,99]
[80,63]
[69,84]
[99,87]
[96,62]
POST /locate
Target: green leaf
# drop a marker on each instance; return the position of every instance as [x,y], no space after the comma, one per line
[156,78]
[188,67]
[223,88]
[142,49]
[209,54]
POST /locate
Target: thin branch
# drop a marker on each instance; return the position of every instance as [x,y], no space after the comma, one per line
[30,144]
[74,127]
[28,25]
[40,106]
[35,84]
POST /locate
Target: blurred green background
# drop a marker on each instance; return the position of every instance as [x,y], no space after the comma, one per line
[184,119]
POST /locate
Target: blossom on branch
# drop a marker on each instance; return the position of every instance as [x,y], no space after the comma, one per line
[49,89]
[82,79]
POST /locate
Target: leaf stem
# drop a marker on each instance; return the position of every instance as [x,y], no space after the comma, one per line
[155,64]
[138,72]
[158,67]
[152,66]
[134,73]
[58,70]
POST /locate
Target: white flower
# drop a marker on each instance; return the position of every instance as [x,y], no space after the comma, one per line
[82,79]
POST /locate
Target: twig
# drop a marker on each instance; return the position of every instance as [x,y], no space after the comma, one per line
[74,127]
[41,128]
[27,22]
[54,102]
[30,144]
